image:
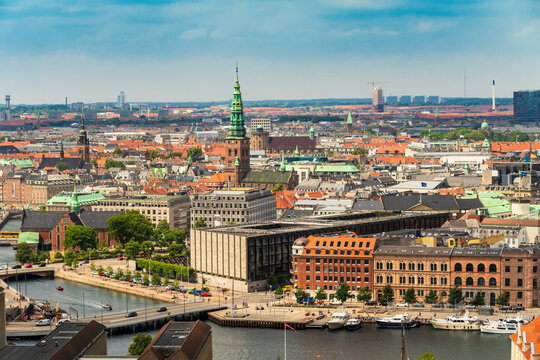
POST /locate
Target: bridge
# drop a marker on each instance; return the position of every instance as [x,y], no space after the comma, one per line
[117,323]
[10,274]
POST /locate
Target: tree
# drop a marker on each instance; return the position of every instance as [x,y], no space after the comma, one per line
[156,279]
[61,166]
[100,270]
[175,250]
[279,292]
[137,276]
[24,253]
[69,257]
[164,281]
[360,150]
[277,187]
[321,294]
[82,237]
[410,296]
[153,154]
[140,342]
[117,151]
[147,247]
[199,224]
[387,295]
[58,255]
[174,154]
[342,293]
[110,163]
[130,225]
[364,294]
[146,279]
[431,297]
[503,299]
[427,356]
[478,299]
[300,294]
[132,249]
[119,274]
[455,296]
[195,152]
[176,236]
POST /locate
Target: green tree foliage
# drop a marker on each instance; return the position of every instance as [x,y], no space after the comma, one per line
[503,299]
[110,163]
[58,255]
[24,253]
[146,279]
[387,295]
[174,154]
[199,224]
[175,236]
[279,292]
[156,279]
[175,250]
[109,271]
[117,151]
[195,152]
[301,294]
[479,299]
[140,342]
[343,293]
[61,166]
[364,294]
[455,296]
[69,257]
[132,249]
[100,270]
[128,226]
[82,237]
[431,297]
[321,294]
[119,273]
[153,154]
[360,150]
[277,187]
[172,270]
[137,276]
[147,247]
[427,356]
[410,296]
[278,280]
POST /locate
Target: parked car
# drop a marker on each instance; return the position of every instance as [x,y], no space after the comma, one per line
[95,272]
[371,303]
[3,267]
[335,302]
[61,321]
[27,266]
[402,305]
[206,294]
[16,266]
[43,322]
[506,308]
[162,309]
[418,305]
[42,265]
[120,258]
[437,306]
[182,289]
[470,307]
[519,308]
[131,314]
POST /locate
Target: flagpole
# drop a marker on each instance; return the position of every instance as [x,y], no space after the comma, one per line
[285,342]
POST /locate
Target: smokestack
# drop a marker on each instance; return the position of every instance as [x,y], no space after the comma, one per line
[493,108]
[66,103]
[8,107]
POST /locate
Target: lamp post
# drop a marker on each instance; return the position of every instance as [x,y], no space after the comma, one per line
[83,306]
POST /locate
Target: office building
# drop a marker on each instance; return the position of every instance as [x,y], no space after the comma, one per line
[264,122]
[173,208]
[405,99]
[240,206]
[433,99]
[527,106]
[378,99]
[121,100]
[419,99]
[391,100]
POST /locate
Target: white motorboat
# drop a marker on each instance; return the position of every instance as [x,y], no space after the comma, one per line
[398,321]
[502,326]
[338,320]
[353,323]
[464,322]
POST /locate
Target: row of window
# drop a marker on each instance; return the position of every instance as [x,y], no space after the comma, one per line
[336,269]
[340,252]
[345,244]
[470,268]
[441,267]
[470,282]
[419,292]
[339,261]
[340,279]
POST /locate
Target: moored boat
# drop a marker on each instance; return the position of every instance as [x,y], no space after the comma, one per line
[398,321]
[353,323]
[107,307]
[338,320]
[59,288]
[502,326]
[464,322]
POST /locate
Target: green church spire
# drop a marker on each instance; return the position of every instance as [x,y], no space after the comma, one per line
[237,162]
[237,129]
[349,118]
[437,112]
[75,206]
[282,167]
[296,152]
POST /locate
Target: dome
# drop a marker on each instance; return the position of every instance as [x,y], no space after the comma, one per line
[301,241]
[484,125]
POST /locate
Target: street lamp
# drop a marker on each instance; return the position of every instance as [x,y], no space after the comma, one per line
[83,306]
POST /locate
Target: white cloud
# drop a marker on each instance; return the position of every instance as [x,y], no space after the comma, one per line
[424,26]
[192,34]
[364,4]
[531,28]
[372,31]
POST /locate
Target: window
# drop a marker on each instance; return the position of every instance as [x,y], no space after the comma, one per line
[469,267]
[433,267]
[492,268]
[457,281]
[389,266]
[520,269]
[535,283]
[506,282]
[401,266]
[402,279]
[481,268]
[420,280]
[481,282]
[507,269]
[469,281]
[444,281]
[433,281]
[520,283]
[411,267]
[535,269]
[420,267]
[444,267]
[520,295]
[457,267]
[420,292]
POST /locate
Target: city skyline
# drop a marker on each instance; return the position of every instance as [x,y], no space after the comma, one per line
[168,51]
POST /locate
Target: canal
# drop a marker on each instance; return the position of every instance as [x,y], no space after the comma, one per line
[7,254]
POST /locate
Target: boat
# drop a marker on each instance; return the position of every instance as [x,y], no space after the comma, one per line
[15,247]
[338,320]
[353,323]
[464,322]
[398,321]
[107,307]
[59,288]
[502,326]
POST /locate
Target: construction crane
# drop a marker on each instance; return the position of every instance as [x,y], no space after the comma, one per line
[375,82]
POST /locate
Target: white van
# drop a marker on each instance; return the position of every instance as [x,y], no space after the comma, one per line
[43,322]
[61,321]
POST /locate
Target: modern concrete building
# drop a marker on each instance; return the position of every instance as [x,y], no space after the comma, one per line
[433,99]
[391,100]
[173,208]
[405,99]
[419,99]
[247,254]
[264,122]
[239,206]
[527,106]
[378,99]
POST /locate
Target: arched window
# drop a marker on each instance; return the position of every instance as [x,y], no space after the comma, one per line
[492,268]
[492,282]
[481,268]
[469,281]
[457,281]
[469,267]
[457,267]
[481,282]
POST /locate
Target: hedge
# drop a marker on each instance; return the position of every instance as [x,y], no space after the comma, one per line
[170,270]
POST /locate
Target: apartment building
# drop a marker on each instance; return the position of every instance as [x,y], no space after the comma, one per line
[264,122]
[27,189]
[326,261]
[173,208]
[240,206]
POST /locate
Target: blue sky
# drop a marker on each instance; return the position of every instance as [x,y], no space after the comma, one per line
[186,50]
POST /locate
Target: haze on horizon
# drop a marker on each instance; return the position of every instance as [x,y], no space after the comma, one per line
[186,50]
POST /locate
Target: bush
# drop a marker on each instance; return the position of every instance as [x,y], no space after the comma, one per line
[172,270]
[58,255]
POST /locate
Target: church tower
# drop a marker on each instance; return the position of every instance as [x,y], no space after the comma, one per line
[349,124]
[83,143]
[237,157]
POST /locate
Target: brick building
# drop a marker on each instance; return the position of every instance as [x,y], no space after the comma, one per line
[326,261]
[27,189]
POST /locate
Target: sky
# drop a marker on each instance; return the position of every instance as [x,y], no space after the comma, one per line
[286,49]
